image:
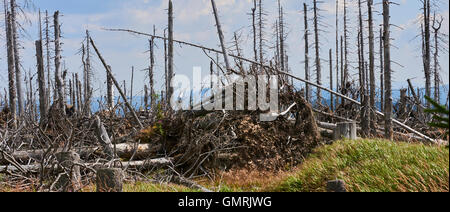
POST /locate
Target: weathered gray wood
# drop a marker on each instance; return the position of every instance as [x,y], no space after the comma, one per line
[58,78]
[221,36]
[387,71]
[109,180]
[15,48]
[11,72]
[41,81]
[143,165]
[108,70]
[70,177]
[345,130]
[103,138]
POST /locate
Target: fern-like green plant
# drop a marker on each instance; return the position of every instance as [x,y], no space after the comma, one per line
[440,115]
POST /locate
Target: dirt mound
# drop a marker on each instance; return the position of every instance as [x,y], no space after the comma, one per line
[234,140]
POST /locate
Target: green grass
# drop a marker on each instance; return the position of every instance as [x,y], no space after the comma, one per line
[373,166]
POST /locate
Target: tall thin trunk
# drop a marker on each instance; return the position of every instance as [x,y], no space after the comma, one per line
[47,46]
[381,71]
[372,69]
[170,72]
[41,80]
[427,50]
[307,73]
[436,27]
[331,79]
[11,70]
[317,48]
[166,75]
[281,35]
[15,36]
[337,49]
[255,51]
[221,36]
[132,85]
[365,118]
[346,74]
[88,87]
[387,71]
[151,69]
[261,35]
[342,69]
[58,78]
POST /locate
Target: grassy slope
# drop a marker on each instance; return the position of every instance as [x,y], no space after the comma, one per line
[373,166]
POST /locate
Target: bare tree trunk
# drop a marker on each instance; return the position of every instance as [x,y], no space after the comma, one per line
[108,70]
[317,47]
[307,73]
[387,71]
[346,74]
[166,75]
[436,27]
[41,80]
[170,72]
[110,90]
[261,36]
[152,62]
[381,71]
[342,70]
[221,36]
[255,51]
[58,79]
[365,118]
[88,87]
[337,50]
[427,50]
[372,89]
[47,46]
[11,70]
[15,35]
[281,35]
[331,80]
[80,107]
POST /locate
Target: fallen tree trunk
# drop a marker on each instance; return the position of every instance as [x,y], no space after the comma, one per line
[125,151]
[142,165]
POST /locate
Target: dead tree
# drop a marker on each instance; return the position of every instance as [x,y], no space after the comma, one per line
[346,74]
[221,36]
[58,78]
[365,118]
[261,34]
[87,78]
[47,46]
[387,70]
[331,79]
[317,48]
[437,24]
[15,43]
[170,72]
[281,37]
[337,49]
[255,51]
[372,86]
[426,47]
[11,70]
[109,90]
[150,73]
[381,70]
[307,73]
[41,80]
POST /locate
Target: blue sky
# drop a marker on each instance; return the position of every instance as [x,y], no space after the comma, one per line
[194,23]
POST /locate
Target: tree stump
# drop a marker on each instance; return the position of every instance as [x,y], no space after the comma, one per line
[345,130]
[109,180]
[69,173]
[336,186]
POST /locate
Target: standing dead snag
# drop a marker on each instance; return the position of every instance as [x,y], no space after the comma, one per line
[11,72]
[58,78]
[307,74]
[41,80]
[426,48]
[151,69]
[170,72]
[110,90]
[337,49]
[87,78]
[371,69]
[108,70]
[437,24]
[331,79]
[317,47]
[387,71]
[381,70]
[15,49]
[362,72]
[221,36]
